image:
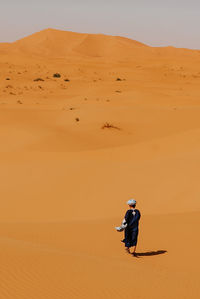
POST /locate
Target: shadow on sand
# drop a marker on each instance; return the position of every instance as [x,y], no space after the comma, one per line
[150,253]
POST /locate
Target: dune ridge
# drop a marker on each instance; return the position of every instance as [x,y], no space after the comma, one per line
[57,43]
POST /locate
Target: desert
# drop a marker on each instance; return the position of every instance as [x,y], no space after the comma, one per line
[88,121]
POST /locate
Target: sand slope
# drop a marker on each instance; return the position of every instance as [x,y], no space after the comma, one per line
[55,43]
[123,120]
[47,260]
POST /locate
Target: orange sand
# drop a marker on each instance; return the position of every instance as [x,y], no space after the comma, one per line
[64,183]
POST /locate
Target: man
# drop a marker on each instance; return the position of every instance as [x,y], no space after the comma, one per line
[130,226]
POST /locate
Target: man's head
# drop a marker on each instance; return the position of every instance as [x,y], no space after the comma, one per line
[132,207]
[131,203]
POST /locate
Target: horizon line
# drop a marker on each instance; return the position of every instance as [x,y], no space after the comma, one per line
[88,33]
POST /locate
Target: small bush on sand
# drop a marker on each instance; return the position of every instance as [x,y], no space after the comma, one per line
[67,80]
[77,119]
[38,79]
[118,79]
[109,126]
[56,75]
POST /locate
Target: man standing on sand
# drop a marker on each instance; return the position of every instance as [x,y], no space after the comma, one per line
[130,226]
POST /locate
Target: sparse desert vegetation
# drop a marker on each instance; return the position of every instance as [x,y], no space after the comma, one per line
[38,79]
[108,125]
[56,75]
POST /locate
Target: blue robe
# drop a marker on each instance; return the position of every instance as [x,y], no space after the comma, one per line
[131,218]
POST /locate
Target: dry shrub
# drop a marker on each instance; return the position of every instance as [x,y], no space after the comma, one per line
[38,79]
[109,126]
[56,75]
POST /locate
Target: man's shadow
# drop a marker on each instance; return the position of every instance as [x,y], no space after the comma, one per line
[150,253]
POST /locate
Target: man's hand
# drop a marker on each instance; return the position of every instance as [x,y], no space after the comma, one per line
[119,228]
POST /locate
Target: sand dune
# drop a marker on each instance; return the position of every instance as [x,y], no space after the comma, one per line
[53,43]
[56,43]
[121,120]
[48,260]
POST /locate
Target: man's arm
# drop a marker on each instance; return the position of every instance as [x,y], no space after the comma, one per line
[124,223]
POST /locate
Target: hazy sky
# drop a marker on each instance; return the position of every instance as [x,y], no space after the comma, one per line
[155,22]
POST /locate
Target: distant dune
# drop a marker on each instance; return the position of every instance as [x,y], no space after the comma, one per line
[86,122]
[56,43]
[62,44]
